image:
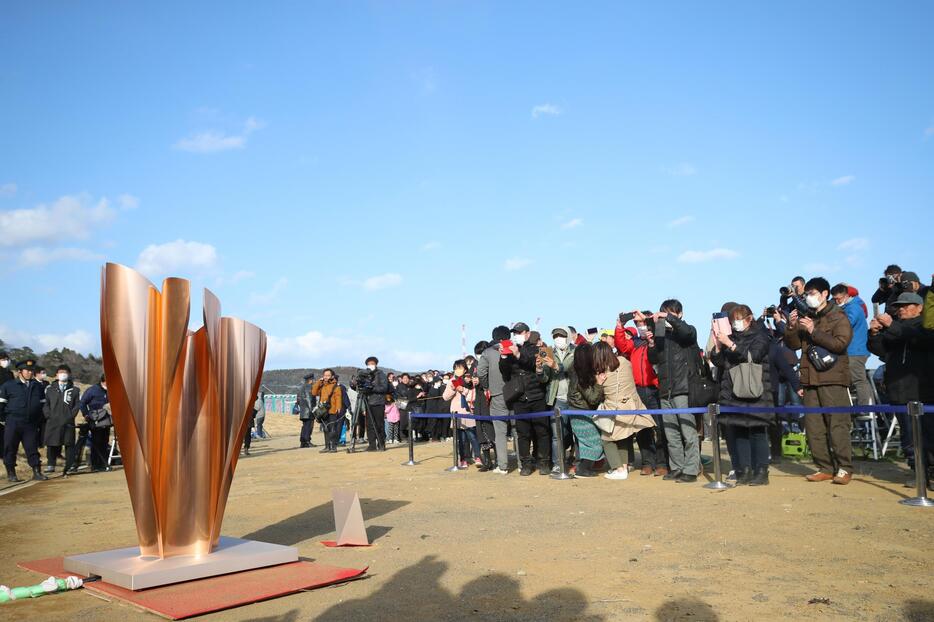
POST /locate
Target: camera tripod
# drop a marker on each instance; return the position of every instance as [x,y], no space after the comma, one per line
[364,407]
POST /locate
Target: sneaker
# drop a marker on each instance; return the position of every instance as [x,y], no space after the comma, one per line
[618,474]
[842,477]
[731,477]
[478,461]
[556,469]
[462,465]
[500,471]
[684,478]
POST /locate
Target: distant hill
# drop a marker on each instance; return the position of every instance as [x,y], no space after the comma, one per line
[288,380]
[84,369]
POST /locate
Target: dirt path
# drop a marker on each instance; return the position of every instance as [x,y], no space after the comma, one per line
[469,545]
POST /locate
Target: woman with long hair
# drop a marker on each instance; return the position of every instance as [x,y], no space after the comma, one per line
[585,393]
[619,393]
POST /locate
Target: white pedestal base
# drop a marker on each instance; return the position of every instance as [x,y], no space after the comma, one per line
[125,567]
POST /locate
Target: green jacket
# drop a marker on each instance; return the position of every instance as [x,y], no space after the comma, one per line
[554,376]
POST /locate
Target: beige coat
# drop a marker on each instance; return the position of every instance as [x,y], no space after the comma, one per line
[620,394]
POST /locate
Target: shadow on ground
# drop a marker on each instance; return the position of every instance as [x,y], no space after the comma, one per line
[416,593]
[692,609]
[319,521]
[918,611]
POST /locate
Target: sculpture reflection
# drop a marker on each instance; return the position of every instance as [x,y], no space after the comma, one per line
[181,402]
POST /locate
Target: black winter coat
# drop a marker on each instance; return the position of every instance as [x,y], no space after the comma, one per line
[753,342]
[22,401]
[523,366]
[61,407]
[908,351]
[673,357]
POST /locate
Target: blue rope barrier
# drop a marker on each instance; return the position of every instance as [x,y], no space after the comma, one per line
[484,417]
[698,410]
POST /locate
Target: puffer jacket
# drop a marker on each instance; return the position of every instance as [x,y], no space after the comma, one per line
[638,355]
[906,348]
[672,357]
[753,343]
[833,332]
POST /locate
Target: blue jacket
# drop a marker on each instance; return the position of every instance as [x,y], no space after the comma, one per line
[854,312]
[22,401]
[94,398]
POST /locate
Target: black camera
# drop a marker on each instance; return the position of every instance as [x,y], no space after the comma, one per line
[769,312]
[365,381]
[784,292]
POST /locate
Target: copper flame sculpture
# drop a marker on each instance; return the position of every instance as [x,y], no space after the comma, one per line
[181,402]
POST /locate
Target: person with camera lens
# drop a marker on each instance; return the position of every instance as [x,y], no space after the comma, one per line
[823,336]
[306,405]
[328,408]
[907,350]
[792,297]
[889,285]
[742,357]
[373,384]
[521,366]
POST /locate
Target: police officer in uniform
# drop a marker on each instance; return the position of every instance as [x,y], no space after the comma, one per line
[21,404]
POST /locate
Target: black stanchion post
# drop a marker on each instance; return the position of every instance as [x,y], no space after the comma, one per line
[559,439]
[455,467]
[915,412]
[411,461]
[717,484]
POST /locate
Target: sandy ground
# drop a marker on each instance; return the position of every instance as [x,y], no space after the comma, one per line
[469,545]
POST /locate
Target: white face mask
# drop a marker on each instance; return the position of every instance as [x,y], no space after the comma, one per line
[518,339]
[561,343]
[739,325]
[5,363]
[813,301]
[62,377]
[371,367]
[395,383]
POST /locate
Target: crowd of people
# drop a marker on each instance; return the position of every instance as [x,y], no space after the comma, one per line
[810,349]
[36,412]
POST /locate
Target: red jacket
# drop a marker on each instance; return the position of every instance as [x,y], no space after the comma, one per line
[642,370]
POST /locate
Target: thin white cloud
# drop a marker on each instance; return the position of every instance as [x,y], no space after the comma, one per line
[572,224]
[7,190]
[853,245]
[516,263]
[843,181]
[127,201]
[546,110]
[214,141]
[703,256]
[242,275]
[67,218]
[37,256]
[928,132]
[677,222]
[684,169]
[178,258]
[78,340]
[382,281]
[271,295]
[431,246]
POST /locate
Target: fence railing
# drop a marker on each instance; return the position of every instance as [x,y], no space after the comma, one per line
[915,410]
[280,403]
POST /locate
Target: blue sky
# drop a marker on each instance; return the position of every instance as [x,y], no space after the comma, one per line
[364,178]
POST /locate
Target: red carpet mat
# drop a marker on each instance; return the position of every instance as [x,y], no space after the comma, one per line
[193,598]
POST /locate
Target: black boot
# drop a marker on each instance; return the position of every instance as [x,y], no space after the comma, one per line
[487,463]
[37,474]
[11,475]
[743,477]
[761,478]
